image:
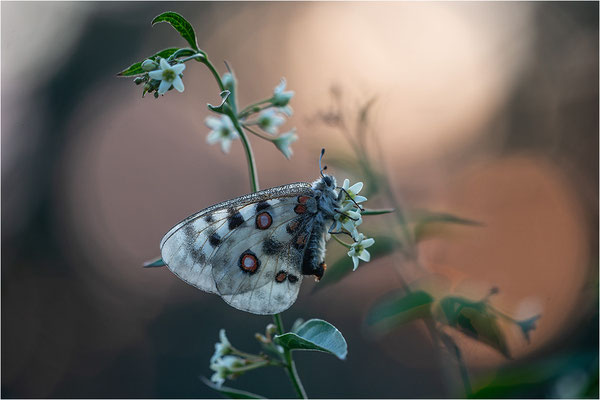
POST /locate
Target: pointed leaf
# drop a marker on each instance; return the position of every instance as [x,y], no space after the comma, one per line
[136,69]
[230,393]
[180,24]
[399,308]
[368,211]
[316,335]
[474,319]
[384,245]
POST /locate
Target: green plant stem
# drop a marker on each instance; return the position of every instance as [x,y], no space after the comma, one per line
[248,109]
[231,113]
[257,134]
[289,361]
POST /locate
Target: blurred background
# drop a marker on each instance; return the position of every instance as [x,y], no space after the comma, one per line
[488,111]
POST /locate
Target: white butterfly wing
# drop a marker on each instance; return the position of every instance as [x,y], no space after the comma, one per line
[190,247]
[274,285]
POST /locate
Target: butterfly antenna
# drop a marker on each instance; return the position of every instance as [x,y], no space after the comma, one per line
[320,159]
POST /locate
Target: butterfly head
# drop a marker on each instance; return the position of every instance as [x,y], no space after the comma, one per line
[327,182]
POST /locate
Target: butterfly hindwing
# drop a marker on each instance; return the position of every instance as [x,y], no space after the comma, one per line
[204,248]
[262,274]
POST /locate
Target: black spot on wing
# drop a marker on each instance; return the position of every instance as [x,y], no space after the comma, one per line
[189,232]
[209,218]
[198,256]
[262,205]
[214,239]
[235,219]
[292,278]
[272,246]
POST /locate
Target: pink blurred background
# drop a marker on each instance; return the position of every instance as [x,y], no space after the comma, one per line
[485,110]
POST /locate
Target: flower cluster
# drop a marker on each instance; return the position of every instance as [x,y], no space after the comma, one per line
[161,76]
[349,217]
[262,119]
[228,362]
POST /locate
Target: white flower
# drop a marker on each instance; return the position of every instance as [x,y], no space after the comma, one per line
[284,141]
[269,121]
[224,367]
[168,75]
[352,192]
[348,219]
[222,130]
[281,98]
[221,348]
[358,249]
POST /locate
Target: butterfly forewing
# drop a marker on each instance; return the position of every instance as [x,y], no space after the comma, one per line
[206,249]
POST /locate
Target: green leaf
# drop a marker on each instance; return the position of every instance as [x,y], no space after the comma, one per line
[180,24]
[136,69]
[383,245]
[538,379]
[399,308]
[316,335]
[425,223]
[221,108]
[230,393]
[368,211]
[156,262]
[474,319]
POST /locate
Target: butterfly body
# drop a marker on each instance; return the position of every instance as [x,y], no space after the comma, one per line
[254,250]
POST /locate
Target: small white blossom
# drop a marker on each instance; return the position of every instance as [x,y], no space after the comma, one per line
[224,368]
[358,249]
[221,348]
[348,219]
[269,121]
[280,97]
[222,130]
[284,141]
[168,75]
[352,192]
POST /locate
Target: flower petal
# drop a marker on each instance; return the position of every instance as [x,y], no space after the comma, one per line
[280,88]
[178,84]
[365,256]
[164,64]
[367,242]
[212,122]
[213,137]
[157,74]
[357,187]
[355,262]
[163,87]
[178,68]
[225,145]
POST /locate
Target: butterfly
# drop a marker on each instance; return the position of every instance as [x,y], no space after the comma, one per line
[254,250]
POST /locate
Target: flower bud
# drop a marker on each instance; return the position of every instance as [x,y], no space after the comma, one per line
[228,81]
[139,80]
[149,65]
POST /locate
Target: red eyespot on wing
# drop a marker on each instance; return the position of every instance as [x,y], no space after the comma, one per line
[248,262]
[303,199]
[263,220]
[300,209]
[280,277]
[292,226]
